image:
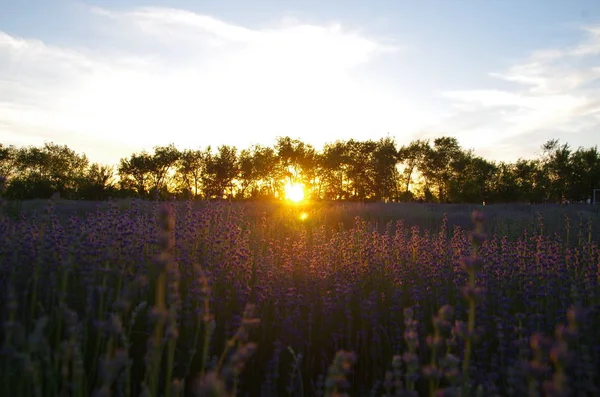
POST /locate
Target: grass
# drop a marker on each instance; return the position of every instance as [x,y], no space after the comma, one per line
[138,298]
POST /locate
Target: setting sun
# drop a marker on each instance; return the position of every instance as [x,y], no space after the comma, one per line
[294,192]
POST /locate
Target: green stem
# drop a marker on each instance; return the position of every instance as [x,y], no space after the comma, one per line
[158,330]
[32,303]
[432,382]
[98,341]
[170,359]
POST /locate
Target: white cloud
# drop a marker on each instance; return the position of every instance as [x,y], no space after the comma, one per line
[555,92]
[161,75]
[175,76]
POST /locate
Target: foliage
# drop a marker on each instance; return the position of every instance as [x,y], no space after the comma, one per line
[433,171]
[43,171]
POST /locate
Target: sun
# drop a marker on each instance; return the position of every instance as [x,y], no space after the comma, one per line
[294,192]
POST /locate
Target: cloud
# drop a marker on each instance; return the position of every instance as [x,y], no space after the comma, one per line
[556,92]
[150,76]
[166,75]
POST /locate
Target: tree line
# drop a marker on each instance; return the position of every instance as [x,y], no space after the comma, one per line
[437,170]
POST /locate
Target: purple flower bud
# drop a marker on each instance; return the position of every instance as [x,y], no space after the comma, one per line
[477,238]
[476,294]
[560,354]
[431,372]
[477,216]
[540,342]
[460,328]
[471,264]
[575,316]
[411,360]
[520,316]
[446,312]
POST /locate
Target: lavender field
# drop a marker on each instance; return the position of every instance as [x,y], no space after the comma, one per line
[135,298]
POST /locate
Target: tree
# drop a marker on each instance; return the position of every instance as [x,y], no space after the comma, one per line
[361,174]
[267,171]
[439,170]
[135,172]
[472,178]
[460,184]
[189,168]
[530,180]
[97,183]
[297,162]
[40,172]
[8,164]
[585,176]
[556,165]
[162,163]
[412,157]
[248,175]
[383,167]
[221,171]
[309,164]
[504,184]
[333,170]
[66,168]
[437,165]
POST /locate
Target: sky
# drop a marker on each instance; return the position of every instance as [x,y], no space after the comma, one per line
[109,78]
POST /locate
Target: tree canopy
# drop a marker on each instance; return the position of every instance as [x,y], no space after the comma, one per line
[437,170]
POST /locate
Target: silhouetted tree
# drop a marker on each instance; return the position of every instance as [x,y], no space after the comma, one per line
[361,173]
[162,165]
[97,183]
[437,165]
[309,169]
[472,178]
[8,164]
[189,169]
[556,164]
[374,170]
[412,157]
[248,176]
[530,180]
[585,176]
[504,186]
[291,154]
[333,170]
[383,167]
[267,171]
[40,172]
[221,171]
[135,172]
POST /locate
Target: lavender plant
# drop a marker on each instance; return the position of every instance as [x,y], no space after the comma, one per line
[137,298]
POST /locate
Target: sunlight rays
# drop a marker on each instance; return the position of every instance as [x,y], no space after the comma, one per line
[294,192]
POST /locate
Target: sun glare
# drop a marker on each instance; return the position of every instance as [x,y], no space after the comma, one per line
[294,192]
